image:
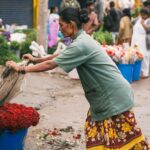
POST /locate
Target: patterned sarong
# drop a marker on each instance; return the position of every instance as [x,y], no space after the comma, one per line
[119,132]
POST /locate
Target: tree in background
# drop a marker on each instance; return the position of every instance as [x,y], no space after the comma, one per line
[42,23]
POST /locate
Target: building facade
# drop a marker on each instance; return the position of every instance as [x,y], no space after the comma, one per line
[20,12]
[25,12]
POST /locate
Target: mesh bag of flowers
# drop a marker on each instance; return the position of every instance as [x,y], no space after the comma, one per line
[14,117]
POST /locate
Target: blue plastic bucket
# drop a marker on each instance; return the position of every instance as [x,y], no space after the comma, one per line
[12,140]
[137,70]
[127,71]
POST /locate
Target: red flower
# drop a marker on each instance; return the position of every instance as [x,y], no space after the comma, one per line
[110,53]
[16,116]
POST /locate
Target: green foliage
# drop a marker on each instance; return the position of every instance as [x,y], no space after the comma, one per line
[3,44]
[103,37]
[2,39]
[135,12]
[5,49]
[25,47]
[31,36]
[14,45]
[108,38]
[6,54]
[52,50]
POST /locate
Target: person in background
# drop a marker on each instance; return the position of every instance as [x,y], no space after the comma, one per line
[125,28]
[53,26]
[69,3]
[107,21]
[115,20]
[110,122]
[99,7]
[147,4]
[93,24]
[141,30]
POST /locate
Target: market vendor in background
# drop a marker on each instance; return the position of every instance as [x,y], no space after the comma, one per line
[110,122]
[93,24]
[53,26]
[114,19]
[99,8]
[141,33]
[147,4]
[125,28]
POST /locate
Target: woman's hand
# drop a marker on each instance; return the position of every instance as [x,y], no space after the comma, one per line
[13,65]
[29,57]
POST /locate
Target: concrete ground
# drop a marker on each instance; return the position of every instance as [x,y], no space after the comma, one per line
[61,104]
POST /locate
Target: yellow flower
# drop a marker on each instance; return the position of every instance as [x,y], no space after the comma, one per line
[92,133]
[138,146]
[102,131]
[106,124]
[126,127]
[89,113]
[112,133]
[86,125]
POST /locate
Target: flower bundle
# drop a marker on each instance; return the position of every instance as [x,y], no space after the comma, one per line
[16,116]
[121,56]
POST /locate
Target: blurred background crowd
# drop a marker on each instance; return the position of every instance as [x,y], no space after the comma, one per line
[111,22]
[124,22]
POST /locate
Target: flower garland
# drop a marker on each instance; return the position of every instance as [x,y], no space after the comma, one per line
[16,116]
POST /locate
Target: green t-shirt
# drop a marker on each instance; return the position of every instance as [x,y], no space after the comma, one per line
[107,92]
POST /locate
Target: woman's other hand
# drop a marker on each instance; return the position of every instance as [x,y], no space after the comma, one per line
[12,65]
[29,57]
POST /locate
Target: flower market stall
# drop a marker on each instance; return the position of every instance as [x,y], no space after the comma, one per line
[128,60]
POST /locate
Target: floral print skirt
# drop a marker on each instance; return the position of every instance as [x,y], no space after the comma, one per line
[119,132]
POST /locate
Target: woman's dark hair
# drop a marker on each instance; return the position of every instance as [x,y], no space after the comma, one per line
[145,11]
[72,14]
[126,12]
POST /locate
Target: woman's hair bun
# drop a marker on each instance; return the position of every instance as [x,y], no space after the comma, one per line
[83,16]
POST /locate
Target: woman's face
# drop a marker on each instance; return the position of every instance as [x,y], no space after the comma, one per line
[67,29]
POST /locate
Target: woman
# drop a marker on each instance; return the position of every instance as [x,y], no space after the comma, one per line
[140,30]
[110,122]
[125,28]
